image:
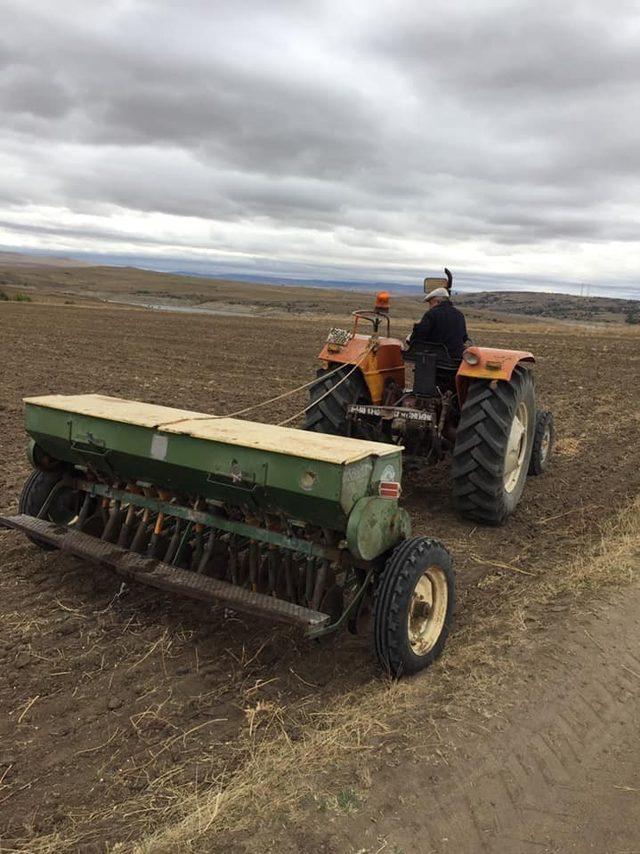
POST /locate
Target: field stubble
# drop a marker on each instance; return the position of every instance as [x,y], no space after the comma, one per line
[130,716]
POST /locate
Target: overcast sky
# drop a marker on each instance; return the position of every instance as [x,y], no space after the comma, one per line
[371,139]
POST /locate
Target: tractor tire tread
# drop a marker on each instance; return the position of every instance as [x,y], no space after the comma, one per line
[34,493]
[479,452]
[328,415]
[538,466]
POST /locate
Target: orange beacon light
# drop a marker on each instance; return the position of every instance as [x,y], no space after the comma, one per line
[382,301]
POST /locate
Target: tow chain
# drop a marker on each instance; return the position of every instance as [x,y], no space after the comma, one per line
[279,397]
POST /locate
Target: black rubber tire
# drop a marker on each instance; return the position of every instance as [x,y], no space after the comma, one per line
[539,462]
[481,445]
[391,605]
[35,492]
[330,414]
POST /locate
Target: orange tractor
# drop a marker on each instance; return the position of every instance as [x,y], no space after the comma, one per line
[480,409]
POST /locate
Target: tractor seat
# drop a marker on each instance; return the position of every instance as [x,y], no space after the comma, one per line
[444,362]
[434,368]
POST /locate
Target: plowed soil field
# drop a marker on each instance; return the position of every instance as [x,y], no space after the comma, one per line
[128,715]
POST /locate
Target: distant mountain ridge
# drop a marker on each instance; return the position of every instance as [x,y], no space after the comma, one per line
[558,306]
[492,293]
[24,259]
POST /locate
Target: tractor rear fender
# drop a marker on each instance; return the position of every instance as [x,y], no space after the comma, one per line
[382,363]
[492,364]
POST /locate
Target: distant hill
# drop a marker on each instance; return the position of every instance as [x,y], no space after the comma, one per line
[23,259]
[558,306]
[67,277]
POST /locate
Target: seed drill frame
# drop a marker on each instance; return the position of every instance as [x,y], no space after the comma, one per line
[278,522]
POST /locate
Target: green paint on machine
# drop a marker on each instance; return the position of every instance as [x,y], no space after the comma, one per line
[284,523]
[319,491]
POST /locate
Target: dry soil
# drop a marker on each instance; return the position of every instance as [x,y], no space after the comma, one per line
[117,703]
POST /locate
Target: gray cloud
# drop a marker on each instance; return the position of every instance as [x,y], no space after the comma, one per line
[511,126]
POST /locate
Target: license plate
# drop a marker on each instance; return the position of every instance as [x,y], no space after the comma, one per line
[391,412]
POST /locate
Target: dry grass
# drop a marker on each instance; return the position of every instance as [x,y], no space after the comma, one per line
[281,775]
[614,561]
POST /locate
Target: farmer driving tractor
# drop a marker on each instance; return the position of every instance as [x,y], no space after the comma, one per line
[441,324]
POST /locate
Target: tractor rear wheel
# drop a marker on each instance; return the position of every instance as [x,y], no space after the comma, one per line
[493,447]
[330,395]
[35,492]
[413,606]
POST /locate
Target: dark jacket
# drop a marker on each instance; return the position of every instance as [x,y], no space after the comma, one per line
[443,324]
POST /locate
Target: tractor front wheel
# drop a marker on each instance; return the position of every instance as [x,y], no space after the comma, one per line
[330,395]
[493,447]
[543,439]
[413,606]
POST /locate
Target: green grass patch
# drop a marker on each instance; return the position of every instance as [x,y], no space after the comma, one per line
[347,800]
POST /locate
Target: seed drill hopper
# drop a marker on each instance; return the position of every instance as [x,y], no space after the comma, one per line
[303,528]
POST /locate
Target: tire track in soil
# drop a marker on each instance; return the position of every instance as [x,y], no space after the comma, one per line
[559,773]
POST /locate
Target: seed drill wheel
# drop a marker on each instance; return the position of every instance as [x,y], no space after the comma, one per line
[543,439]
[35,492]
[330,396]
[413,606]
[493,447]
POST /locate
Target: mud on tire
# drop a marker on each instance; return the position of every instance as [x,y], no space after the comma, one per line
[485,487]
[413,606]
[329,414]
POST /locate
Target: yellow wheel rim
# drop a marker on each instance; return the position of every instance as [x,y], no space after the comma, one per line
[516,448]
[427,610]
